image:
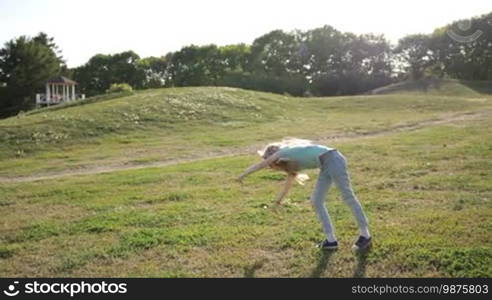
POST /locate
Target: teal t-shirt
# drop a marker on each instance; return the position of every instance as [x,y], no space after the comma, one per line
[306,156]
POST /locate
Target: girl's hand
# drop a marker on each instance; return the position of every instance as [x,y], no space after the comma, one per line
[240,179]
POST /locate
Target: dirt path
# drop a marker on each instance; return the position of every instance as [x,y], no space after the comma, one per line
[250,149]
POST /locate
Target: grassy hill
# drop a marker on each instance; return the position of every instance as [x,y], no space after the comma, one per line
[427,191]
[166,124]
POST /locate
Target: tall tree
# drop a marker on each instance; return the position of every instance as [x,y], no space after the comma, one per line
[196,66]
[97,75]
[235,57]
[460,50]
[464,54]
[273,53]
[155,69]
[25,65]
[415,53]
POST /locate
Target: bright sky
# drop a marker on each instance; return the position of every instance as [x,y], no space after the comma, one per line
[153,28]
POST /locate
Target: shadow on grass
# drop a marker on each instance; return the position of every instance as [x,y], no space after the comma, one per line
[360,269]
[479,86]
[323,260]
[249,271]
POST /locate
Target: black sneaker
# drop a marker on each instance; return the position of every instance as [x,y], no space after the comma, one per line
[325,245]
[362,243]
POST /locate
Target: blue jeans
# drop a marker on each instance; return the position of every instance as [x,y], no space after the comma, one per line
[334,169]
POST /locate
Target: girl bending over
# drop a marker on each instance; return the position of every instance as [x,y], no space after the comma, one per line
[294,155]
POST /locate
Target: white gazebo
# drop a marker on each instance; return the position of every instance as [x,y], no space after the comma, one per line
[58,89]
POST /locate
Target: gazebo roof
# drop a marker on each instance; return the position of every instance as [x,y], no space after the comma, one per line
[61,80]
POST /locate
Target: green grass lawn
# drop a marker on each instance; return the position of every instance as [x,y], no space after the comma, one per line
[427,192]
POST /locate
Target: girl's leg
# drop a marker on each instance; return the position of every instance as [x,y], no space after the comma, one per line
[338,170]
[318,200]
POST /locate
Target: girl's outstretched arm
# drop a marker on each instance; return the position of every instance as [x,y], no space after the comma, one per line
[259,166]
[288,184]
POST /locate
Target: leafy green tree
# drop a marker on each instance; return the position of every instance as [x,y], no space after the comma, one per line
[196,66]
[325,48]
[156,73]
[366,63]
[97,75]
[337,63]
[125,67]
[460,50]
[273,53]
[94,77]
[235,57]
[25,65]
[415,54]
[464,59]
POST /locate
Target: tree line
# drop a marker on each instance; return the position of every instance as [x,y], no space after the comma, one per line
[319,62]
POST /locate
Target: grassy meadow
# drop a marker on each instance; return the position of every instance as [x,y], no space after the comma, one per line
[427,192]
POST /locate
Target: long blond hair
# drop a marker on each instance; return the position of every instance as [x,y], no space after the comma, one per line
[286,166]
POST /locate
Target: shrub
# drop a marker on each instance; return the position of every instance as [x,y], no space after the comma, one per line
[119,87]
